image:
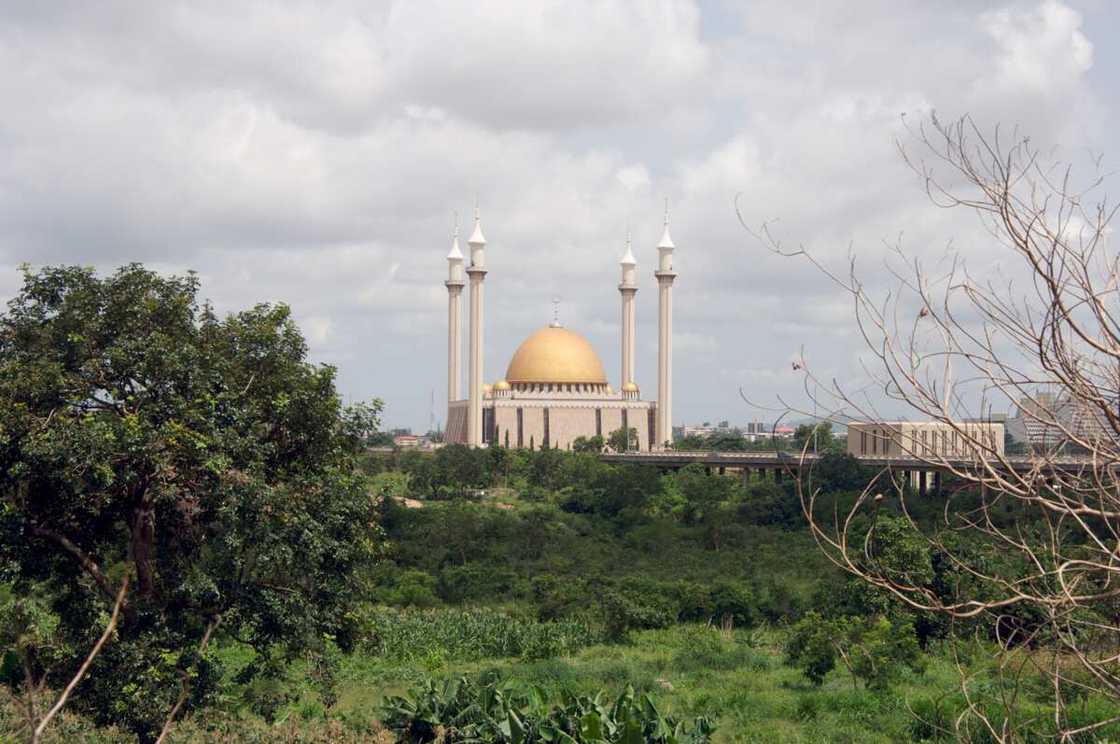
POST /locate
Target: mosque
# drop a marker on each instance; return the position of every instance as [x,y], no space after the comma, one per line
[554,389]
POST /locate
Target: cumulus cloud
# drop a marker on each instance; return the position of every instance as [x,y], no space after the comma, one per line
[313,153]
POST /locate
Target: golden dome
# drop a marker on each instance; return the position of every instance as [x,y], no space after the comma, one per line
[501,385]
[629,387]
[556,355]
[487,389]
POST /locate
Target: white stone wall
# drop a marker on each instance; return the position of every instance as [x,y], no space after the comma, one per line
[568,419]
[923,438]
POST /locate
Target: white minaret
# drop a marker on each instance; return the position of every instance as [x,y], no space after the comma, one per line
[665,276]
[476,272]
[628,288]
[454,286]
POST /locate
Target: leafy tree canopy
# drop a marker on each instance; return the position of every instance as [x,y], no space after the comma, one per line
[623,440]
[593,444]
[141,435]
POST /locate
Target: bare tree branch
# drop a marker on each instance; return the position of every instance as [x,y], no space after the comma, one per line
[948,347]
[105,636]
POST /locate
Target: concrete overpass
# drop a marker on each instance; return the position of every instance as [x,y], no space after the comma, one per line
[777,464]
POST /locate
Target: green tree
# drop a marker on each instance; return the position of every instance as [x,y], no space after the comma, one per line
[691,443]
[811,646]
[874,650]
[623,440]
[818,437]
[141,436]
[380,439]
[457,469]
[593,444]
[705,497]
[727,441]
[839,471]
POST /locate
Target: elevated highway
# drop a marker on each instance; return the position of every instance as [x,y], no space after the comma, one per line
[778,463]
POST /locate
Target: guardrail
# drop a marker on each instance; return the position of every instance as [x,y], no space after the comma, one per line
[797,460]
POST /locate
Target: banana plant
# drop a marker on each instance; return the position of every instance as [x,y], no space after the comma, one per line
[465,711]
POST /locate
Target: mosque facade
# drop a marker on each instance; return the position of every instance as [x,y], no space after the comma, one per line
[554,389]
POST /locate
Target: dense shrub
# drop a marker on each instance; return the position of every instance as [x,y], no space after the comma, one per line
[772,505]
[465,710]
[718,603]
[405,588]
[478,581]
[636,608]
[874,650]
[467,635]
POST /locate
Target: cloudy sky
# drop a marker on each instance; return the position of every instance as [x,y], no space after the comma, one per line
[313,153]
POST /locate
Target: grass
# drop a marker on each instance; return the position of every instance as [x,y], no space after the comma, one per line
[738,678]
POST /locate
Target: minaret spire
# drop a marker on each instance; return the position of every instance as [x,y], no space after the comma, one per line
[476,235]
[665,276]
[455,253]
[628,288]
[476,273]
[666,241]
[454,286]
[555,313]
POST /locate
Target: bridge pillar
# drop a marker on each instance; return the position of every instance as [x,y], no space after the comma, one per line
[745,476]
[722,470]
[922,489]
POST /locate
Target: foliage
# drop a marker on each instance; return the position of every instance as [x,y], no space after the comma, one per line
[874,650]
[811,646]
[141,434]
[901,553]
[466,635]
[691,443]
[730,441]
[817,438]
[593,444]
[840,471]
[626,609]
[623,441]
[465,710]
[769,504]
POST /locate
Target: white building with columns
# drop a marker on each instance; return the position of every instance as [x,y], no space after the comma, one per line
[554,389]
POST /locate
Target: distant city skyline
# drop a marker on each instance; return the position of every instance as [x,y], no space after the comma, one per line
[314,154]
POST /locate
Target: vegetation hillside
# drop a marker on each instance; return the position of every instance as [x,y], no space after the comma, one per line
[199,545]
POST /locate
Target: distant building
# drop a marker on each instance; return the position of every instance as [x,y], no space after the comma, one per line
[757,427]
[923,438]
[406,440]
[555,389]
[706,429]
[1046,421]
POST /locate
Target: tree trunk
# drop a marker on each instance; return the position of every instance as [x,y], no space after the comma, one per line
[142,525]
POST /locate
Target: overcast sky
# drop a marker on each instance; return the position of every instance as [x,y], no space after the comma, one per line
[313,152]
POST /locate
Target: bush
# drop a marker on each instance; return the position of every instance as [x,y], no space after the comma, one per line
[718,603]
[874,650]
[477,581]
[464,710]
[407,588]
[770,505]
[629,609]
[810,647]
[468,635]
